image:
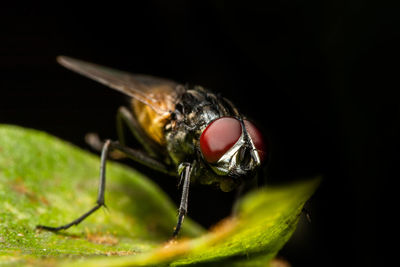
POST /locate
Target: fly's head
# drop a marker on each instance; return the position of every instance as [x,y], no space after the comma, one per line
[233,148]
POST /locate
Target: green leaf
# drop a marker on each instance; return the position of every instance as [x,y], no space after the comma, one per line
[44,180]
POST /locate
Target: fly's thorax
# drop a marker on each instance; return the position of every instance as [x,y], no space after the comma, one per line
[195,109]
[182,136]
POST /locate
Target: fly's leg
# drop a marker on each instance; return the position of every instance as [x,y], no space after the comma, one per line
[143,158]
[107,147]
[100,198]
[185,175]
[124,116]
[93,140]
[307,213]
[241,191]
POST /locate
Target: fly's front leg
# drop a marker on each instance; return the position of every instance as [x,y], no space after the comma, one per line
[244,188]
[100,198]
[185,175]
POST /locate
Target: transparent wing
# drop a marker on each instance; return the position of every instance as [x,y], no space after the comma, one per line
[158,93]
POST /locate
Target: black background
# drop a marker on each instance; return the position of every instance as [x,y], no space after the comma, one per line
[318,76]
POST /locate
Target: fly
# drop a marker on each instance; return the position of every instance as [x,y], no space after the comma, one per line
[191,133]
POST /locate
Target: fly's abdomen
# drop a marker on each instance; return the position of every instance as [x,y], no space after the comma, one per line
[153,122]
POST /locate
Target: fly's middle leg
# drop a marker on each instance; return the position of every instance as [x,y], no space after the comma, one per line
[108,146]
[100,198]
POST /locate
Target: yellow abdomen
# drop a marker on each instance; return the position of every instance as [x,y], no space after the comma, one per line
[152,122]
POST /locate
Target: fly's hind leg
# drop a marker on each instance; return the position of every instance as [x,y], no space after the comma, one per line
[125,117]
[107,147]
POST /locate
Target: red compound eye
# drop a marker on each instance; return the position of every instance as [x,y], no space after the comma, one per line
[257,138]
[219,136]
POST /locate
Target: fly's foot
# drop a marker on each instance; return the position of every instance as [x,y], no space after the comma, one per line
[74,222]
